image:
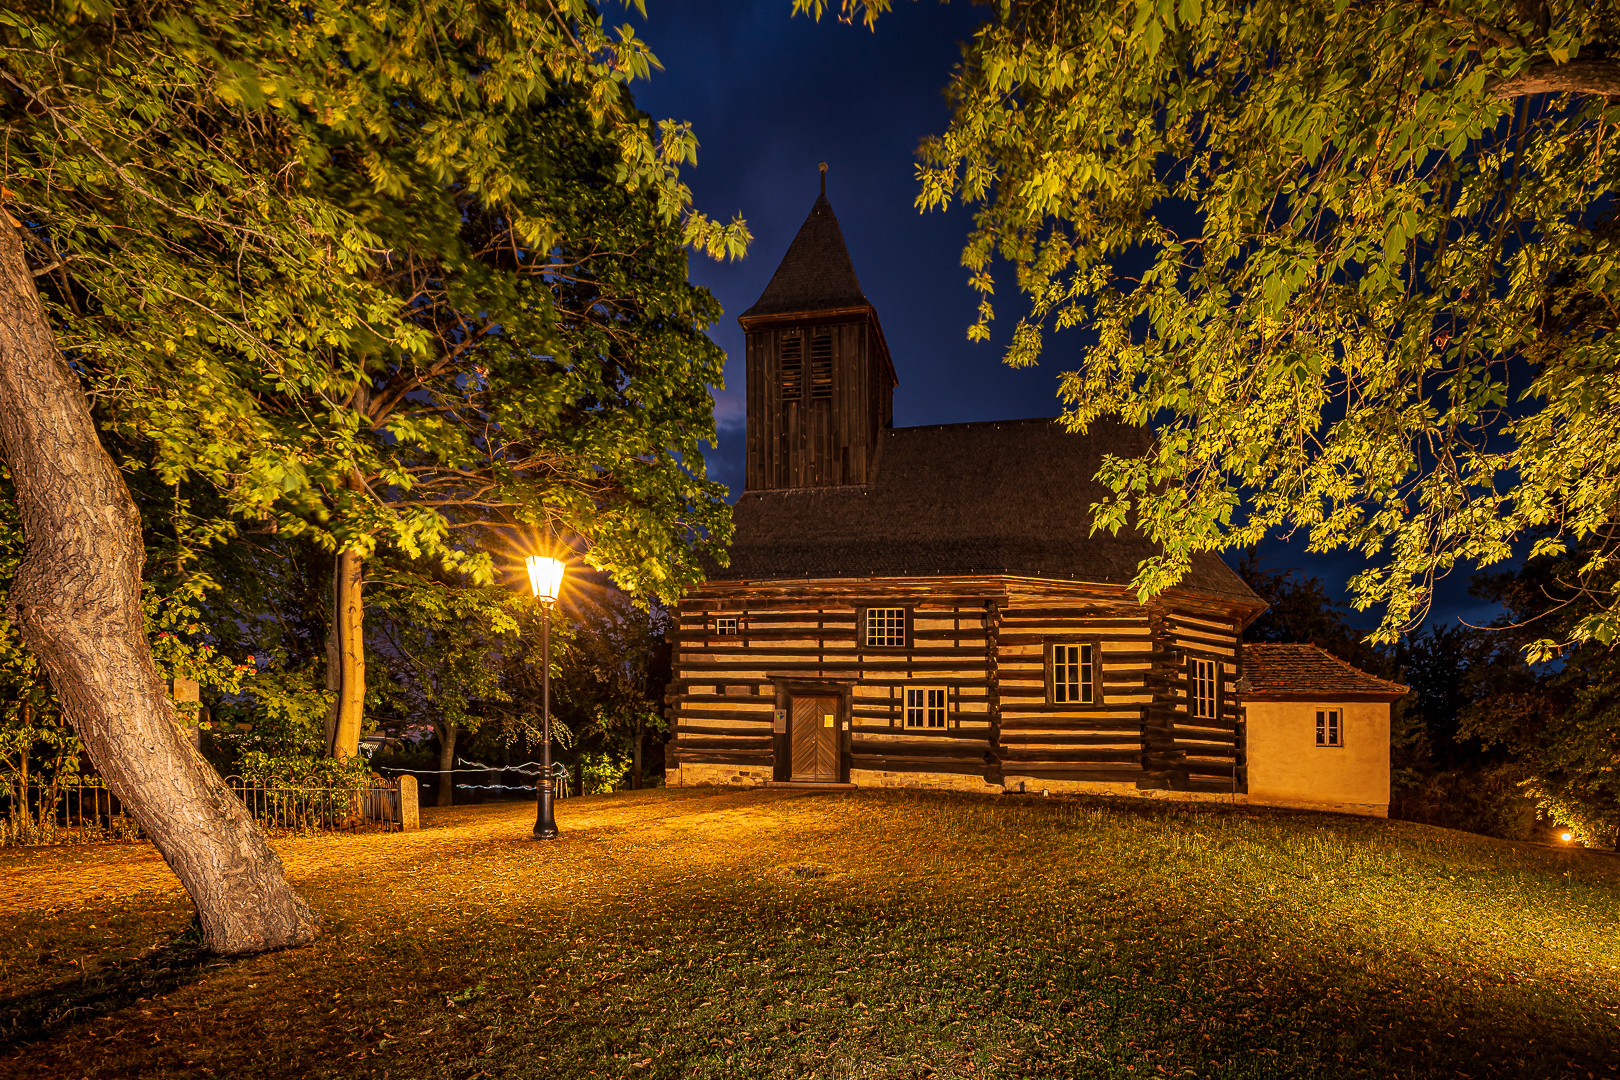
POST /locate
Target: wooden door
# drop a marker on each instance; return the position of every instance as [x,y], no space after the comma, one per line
[815,739]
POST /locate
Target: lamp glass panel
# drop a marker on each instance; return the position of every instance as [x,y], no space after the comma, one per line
[545,576]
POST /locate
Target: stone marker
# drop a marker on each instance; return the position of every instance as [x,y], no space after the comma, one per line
[410,819]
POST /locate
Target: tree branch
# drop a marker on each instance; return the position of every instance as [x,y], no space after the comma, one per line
[1601,77]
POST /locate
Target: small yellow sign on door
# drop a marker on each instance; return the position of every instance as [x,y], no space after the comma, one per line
[826,719]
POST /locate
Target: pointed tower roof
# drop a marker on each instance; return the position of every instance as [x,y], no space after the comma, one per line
[816,273]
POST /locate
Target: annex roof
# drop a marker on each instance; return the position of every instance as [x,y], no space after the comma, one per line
[1300,672]
[816,274]
[1001,497]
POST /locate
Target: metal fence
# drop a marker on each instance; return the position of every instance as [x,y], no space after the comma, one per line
[36,812]
[294,808]
[80,806]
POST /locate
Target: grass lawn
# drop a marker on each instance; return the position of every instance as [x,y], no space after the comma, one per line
[874,934]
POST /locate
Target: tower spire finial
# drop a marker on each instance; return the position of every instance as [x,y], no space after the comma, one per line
[823,179]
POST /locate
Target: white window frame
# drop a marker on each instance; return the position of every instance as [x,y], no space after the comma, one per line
[727,625]
[1204,695]
[1074,673]
[887,630]
[928,707]
[1329,728]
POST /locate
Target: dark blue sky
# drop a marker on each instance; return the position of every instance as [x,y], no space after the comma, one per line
[769,97]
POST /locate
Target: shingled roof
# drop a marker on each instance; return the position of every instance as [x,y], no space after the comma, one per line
[1296,672]
[1003,497]
[816,274]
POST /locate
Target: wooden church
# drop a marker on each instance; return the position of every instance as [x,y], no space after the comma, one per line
[927,606]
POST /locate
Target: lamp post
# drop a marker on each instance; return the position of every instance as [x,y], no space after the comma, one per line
[545,578]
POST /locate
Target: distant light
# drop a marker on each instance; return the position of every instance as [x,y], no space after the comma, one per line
[1566,837]
[545,576]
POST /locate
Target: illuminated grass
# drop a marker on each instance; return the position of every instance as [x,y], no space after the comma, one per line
[868,935]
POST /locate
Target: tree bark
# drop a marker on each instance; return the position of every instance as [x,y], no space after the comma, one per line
[77,601]
[447,764]
[635,776]
[1598,77]
[349,622]
[334,661]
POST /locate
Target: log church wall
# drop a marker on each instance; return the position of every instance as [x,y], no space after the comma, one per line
[743,651]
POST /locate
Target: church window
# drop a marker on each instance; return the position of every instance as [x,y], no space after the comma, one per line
[1329,727]
[1073,678]
[1205,689]
[885,627]
[925,706]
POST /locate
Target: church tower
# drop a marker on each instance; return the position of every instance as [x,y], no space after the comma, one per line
[820,383]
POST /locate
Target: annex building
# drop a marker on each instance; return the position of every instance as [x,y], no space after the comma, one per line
[927,607]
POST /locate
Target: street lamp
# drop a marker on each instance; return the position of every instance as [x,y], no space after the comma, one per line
[545,578]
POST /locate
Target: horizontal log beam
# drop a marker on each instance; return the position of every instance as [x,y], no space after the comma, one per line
[1069,723]
[906,764]
[722,757]
[1008,757]
[1078,774]
[1024,740]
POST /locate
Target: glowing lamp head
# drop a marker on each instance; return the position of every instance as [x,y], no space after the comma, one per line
[1566,837]
[545,576]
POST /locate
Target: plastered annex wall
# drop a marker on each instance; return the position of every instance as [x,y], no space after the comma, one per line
[1287,768]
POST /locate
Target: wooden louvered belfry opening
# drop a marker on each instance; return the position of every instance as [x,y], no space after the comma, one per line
[821,364]
[820,382]
[792,367]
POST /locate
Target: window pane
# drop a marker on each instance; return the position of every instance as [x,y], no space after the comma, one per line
[1205,683]
[1071,674]
[885,627]
[916,708]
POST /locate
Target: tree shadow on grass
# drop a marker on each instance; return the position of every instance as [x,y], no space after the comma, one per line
[45,1013]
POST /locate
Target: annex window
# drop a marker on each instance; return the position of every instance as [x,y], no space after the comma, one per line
[885,627]
[1329,727]
[1205,689]
[725,624]
[1074,674]
[792,368]
[821,365]
[925,706]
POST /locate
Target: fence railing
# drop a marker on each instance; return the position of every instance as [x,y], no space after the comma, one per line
[83,805]
[295,808]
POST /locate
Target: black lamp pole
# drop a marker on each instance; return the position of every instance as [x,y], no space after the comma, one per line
[545,823]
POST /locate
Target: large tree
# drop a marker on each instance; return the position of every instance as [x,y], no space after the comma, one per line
[1354,262]
[234,209]
[1560,722]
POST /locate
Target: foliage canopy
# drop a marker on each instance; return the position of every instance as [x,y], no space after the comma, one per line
[1354,262]
[378,271]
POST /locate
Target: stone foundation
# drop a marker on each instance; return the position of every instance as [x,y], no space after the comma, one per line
[928,781]
[694,773]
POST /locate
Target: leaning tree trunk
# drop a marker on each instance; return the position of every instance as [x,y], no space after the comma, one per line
[77,601]
[447,763]
[348,624]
